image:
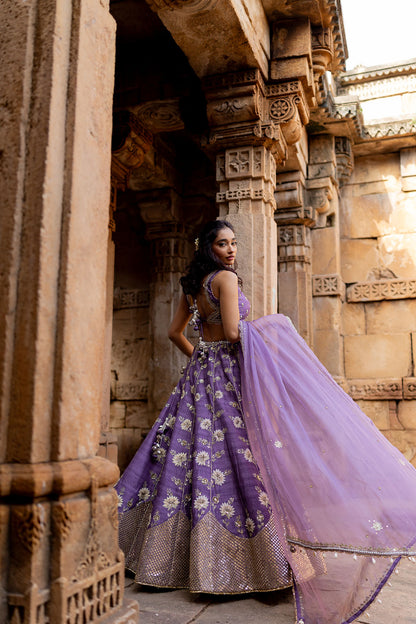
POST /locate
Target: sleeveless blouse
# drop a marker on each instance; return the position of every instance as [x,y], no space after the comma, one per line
[214,317]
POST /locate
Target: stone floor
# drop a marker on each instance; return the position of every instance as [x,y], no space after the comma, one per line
[398,605]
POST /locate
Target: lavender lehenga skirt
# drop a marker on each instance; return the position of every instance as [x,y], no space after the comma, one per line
[261,471]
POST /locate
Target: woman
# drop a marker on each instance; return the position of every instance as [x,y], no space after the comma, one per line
[260,471]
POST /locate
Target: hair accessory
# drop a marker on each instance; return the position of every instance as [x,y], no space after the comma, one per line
[196,244]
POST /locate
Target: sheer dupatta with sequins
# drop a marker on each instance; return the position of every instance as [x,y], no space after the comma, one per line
[343,497]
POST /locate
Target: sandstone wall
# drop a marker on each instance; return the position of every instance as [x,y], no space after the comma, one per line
[378,266]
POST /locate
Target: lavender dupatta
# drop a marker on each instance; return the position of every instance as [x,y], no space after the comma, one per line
[343,497]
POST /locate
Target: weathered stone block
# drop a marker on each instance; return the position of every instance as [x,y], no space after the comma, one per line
[408,162]
[409,184]
[129,441]
[389,317]
[328,348]
[378,411]
[325,245]
[353,319]
[117,415]
[367,216]
[407,414]
[377,356]
[327,313]
[358,258]
[398,253]
[137,414]
[375,168]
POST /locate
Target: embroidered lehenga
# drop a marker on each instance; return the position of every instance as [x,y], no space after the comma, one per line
[261,471]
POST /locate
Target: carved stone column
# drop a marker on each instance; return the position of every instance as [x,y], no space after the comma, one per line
[165,228]
[328,288]
[131,140]
[252,124]
[58,512]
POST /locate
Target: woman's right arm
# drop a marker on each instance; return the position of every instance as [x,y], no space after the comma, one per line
[227,283]
[177,326]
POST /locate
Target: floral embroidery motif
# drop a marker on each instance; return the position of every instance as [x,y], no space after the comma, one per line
[264,499]
[201,502]
[202,458]
[238,422]
[227,510]
[186,425]
[206,423]
[278,444]
[144,494]
[218,477]
[377,526]
[171,502]
[179,459]
[218,435]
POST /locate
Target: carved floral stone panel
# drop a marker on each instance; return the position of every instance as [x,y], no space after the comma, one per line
[381,290]
[374,389]
[327,285]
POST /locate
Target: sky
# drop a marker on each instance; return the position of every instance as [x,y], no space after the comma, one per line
[379,31]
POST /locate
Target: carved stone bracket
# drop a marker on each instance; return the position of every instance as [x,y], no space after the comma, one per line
[327,286]
[287,106]
[132,141]
[322,54]
[320,193]
[345,159]
[290,199]
[382,290]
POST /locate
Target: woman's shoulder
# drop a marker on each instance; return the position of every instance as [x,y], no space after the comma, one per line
[226,277]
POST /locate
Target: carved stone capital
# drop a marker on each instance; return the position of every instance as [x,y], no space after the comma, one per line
[238,113]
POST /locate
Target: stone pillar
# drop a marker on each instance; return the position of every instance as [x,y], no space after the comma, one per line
[131,140]
[328,287]
[165,228]
[58,511]
[246,178]
[252,123]
[294,220]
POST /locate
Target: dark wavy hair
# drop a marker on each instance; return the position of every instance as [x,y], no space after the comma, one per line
[205,261]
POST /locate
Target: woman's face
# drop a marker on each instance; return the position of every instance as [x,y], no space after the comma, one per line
[225,246]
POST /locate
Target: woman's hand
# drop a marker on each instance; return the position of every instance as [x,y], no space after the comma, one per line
[177,326]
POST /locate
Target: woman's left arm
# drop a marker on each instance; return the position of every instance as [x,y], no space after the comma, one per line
[177,326]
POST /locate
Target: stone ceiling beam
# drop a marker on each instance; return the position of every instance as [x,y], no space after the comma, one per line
[218,36]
